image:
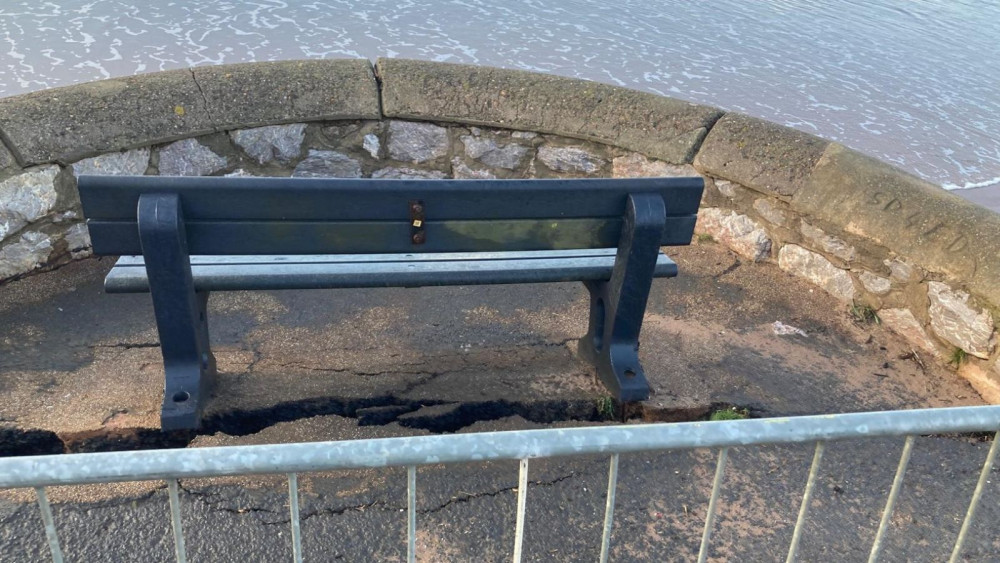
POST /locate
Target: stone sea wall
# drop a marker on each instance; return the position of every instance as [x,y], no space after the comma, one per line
[869,234]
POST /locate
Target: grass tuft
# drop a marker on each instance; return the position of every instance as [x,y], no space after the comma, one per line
[606,407]
[864,314]
[958,357]
[730,413]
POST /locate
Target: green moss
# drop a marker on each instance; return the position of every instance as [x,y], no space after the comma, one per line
[730,413]
[606,407]
[864,314]
[958,357]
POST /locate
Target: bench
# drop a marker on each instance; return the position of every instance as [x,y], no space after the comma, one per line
[181,238]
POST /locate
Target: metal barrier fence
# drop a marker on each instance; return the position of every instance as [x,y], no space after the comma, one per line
[171,465]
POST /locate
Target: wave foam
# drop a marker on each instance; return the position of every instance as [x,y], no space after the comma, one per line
[971,185]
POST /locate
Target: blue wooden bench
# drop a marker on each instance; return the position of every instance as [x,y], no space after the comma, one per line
[180,238]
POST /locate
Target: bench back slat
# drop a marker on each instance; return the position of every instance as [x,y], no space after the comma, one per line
[321,216]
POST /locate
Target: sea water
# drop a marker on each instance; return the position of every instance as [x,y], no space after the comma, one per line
[914,83]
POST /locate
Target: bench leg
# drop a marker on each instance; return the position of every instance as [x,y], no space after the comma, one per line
[181,313]
[618,305]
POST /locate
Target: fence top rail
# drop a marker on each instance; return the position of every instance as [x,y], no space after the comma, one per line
[35,471]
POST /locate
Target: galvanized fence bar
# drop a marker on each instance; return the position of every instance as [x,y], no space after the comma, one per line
[293,513]
[609,508]
[793,549]
[984,475]
[522,498]
[422,450]
[50,525]
[890,503]
[411,513]
[175,520]
[720,469]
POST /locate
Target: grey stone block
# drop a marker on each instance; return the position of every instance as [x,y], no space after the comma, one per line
[903,323]
[491,153]
[189,158]
[570,159]
[274,142]
[817,269]
[462,171]
[372,145]
[25,255]
[26,198]
[656,126]
[128,163]
[955,321]
[327,164]
[635,165]
[739,232]
[403,173]
[417,142]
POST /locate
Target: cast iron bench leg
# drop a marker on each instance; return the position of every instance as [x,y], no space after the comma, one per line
[181,314]
[617,305]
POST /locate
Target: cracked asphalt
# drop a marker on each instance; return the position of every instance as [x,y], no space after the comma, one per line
[80,371]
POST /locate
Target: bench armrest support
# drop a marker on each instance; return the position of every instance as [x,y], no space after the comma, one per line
[181,313]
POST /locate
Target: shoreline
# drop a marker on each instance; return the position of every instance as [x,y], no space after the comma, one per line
[988,197]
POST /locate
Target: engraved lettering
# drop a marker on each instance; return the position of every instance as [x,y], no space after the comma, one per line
[933,229]
[914,218]
[893,205]
[875,199]
[958,244]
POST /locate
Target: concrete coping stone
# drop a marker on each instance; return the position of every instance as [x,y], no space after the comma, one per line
[657,126]
[72,122]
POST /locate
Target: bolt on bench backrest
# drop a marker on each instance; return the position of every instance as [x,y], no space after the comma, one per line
[232,216]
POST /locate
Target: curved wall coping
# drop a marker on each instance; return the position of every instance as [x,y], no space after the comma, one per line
[883,212]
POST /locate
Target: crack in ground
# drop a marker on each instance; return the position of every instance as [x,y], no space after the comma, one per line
[380,504]
[126,345]
[470,497]
[388,408]
[205,498]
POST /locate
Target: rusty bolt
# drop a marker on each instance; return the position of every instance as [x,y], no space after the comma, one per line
[418,238]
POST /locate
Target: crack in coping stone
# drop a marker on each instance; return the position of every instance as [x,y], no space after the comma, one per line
[6,142]
[204,99]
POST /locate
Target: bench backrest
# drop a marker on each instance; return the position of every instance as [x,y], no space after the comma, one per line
[358,216]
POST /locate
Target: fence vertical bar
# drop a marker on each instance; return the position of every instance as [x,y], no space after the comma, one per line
[522,497]
[293,511]
[720,470]
[890,503]
[411,513]
[609,508]
[50,525]
[175,521]
[793,549]
[976,495]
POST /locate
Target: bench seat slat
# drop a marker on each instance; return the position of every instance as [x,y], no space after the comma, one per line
[232,273]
